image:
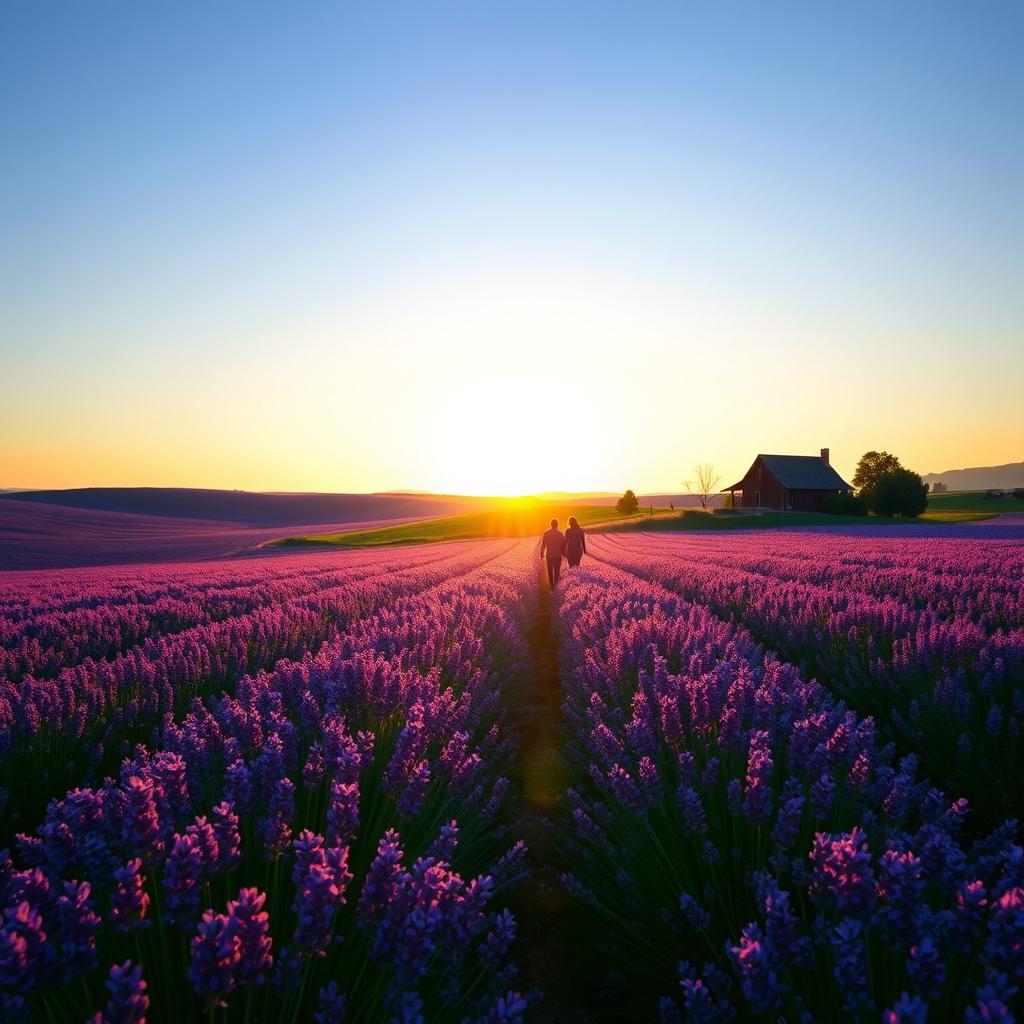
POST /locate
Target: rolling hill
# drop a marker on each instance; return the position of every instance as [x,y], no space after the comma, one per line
[980,478]
[250,507]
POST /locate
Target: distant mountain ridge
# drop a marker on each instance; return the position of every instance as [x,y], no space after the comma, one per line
[980,478]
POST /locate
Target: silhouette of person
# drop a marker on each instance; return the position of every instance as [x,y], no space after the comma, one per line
[575,542]
[552,546]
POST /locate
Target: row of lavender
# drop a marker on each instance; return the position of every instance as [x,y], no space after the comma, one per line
[319,839]
[49,620]
[738,829]
[72,729]
[927,636]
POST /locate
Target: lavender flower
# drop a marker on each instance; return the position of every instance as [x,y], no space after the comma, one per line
[906,1010]
[216,952]
[926,968]
[128,1000]
[331,1005]
[842,871]
[226,834]
[1005,946]
[251,923]
[760,985]
[182,880]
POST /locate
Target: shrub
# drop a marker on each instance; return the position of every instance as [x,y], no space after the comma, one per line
[901,493]
[1018,493]
[844,503]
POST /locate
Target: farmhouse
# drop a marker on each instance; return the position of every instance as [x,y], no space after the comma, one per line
[798,482]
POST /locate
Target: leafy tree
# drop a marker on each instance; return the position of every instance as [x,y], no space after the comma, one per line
[627,504]
[901,492]
[871,468]
[1018,493]
[706,479]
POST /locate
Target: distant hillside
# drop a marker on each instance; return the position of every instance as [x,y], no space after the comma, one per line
[981,478]
[249,507]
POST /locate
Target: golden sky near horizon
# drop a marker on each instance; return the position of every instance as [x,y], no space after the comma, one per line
[508,385]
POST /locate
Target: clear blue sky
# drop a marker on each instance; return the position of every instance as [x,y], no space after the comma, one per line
[342,246]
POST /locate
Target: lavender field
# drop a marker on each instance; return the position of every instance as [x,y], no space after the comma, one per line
[787,784]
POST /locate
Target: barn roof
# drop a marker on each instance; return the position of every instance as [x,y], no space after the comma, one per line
[800,473]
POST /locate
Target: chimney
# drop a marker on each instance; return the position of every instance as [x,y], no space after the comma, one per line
[824,456]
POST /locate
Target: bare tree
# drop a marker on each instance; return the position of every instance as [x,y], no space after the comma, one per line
[705,481]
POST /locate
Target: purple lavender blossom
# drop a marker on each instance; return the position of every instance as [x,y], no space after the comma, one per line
[129,901]
[225,831]
[1005,946]
[128,1000]
[216,952]
[842,871]
[760,984]
[140,825]
[321,877]
[331,1005]
[182,881]
[79,925]
[906,1010]
[251,923]
[25,955]
[851,967]
[926,968]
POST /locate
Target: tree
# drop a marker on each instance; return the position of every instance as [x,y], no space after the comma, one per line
[901,493]
[627,504]
[705,481]
[871,468]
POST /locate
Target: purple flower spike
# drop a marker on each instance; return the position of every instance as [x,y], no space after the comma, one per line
[183,879]
[851,969]
[842,871]
[79,925]
[25,955]
[760,985]
[321,877]
[926,968]
[225,830]
[252,925]
[1005,946]
[509,1009]
[907,1010]
[140,827]
[330,1006]
[128,1000]
[216,952]
[129,901]
[343,813]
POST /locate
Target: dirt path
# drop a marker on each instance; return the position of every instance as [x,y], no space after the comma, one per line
[546,942]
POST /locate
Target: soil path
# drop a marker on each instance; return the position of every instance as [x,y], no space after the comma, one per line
[546,942]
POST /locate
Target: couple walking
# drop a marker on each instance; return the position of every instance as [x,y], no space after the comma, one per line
[555,545]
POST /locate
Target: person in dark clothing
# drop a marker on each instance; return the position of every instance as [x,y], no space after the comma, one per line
[552,547]
[575,542]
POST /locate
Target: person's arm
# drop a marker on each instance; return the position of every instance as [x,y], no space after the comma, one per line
[583,539]
[543,544]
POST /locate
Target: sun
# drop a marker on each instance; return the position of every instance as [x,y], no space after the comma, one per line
[497,437]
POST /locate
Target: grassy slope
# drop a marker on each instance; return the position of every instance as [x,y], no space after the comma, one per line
[972,501]
[521,518]
[696,520]
[529,517]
